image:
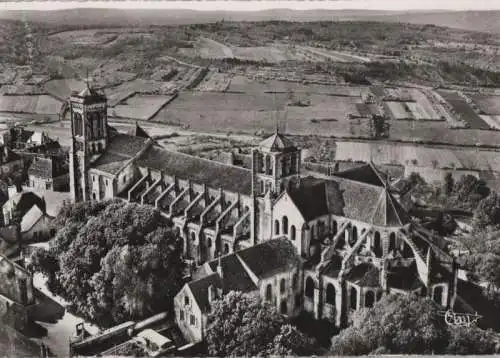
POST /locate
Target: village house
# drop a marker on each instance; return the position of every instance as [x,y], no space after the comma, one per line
[48,174]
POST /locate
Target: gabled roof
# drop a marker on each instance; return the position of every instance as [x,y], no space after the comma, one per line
[25,201]
[235,276]
[367,174]
[270,257]
[31,218]
[349,198]
[198,170]
[277,143]
[199,289]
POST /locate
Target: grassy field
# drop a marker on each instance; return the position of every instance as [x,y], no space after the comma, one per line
[62,88]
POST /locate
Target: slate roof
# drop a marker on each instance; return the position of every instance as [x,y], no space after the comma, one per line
[121,148]
[277,143]
[364,275]
[349,198]
[31,218]
[270,257]
[367,174]
[235,277]
[199,289]
[199,170]
[45,168]
[25,201]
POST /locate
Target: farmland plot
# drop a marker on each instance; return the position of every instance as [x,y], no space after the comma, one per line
[128,89]
[62,88]
[21,90]
[329,55]
[492,121]
[466,113]
[426,108]
[42,104]
[488,104]
[208,48]
[215,82]
[85,37]
[141,107]
[398,110]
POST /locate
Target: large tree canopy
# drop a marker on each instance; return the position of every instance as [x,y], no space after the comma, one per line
[396,324]
[115,261]
[240,325]
[401,324]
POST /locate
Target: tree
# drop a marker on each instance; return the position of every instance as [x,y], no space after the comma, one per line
[116,261]
[472,340]
[448,184]
[396,324]
[291,342]
[240,325]
[487,212]
[486,265]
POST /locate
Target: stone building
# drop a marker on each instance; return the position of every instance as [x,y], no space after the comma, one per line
[356,240]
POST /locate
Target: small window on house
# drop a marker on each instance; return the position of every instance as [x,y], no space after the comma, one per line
[94,196]
[294,281]
[186,300]
[209,242]
[93,178]
[181,315]
[282,285]
[226,248]
[269,293]
[48,186]
[106,182]
[192,320]
[124,178]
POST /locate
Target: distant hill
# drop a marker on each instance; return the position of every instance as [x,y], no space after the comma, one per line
[486,21]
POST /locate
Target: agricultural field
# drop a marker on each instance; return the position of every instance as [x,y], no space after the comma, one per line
[235,112]
[61,89]
[426,109]
[398,110]
[465,112]
[488,104]
[140,107]
[492,120]
[330,55]
[214,82]
[21,90]
[128,89]
[42,104]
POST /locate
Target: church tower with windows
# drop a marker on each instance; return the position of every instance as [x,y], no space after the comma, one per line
[88,115]
[275,168]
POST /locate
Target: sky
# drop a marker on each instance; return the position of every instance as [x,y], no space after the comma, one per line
[204,5]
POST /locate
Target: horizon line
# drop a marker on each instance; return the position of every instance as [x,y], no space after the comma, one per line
[256,6]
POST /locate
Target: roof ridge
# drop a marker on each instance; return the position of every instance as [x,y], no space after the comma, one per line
[357,181]
[380,199]
[159,147]
[390,199]
[377,173]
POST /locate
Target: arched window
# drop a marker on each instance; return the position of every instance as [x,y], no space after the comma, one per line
[209,242]
[379,295]
[312,232]
[334,227]
[226,248]
[269,293]
[282,285]
[269,169]
[369,299]
[309,287]
[193,236]
[186,300]
[354,298]
[285,225]
[261,162]
[392,241]
[438,295]
[377,245]
[293,232]
[276,227]
[294,281]
[283,307]
[262,186]
[354,236]
[330,294]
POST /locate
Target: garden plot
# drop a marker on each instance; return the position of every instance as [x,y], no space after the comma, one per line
[42,104]
[127,89]
[329,55]
[141,107]
[208,48]
[428,112]
[85,37]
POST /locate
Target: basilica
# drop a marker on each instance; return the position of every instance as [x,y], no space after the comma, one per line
[325,247]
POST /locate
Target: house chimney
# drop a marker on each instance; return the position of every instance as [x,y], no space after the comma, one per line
[12,190]
[219,269]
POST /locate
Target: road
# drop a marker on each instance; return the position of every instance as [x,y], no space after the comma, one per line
[59,330]
[61,130]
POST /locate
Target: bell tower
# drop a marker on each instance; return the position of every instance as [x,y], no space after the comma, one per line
[88,115]
[276,165]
